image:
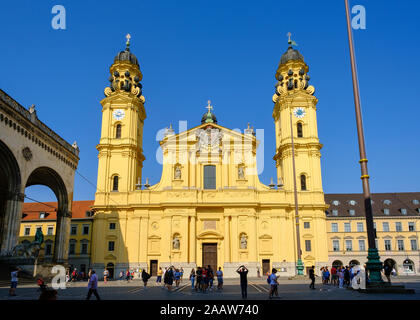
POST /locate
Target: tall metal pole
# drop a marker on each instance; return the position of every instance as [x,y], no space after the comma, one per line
[299,265]
[374,265]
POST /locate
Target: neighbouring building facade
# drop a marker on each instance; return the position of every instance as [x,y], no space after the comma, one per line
[397,223]
[209,207]
[44,216]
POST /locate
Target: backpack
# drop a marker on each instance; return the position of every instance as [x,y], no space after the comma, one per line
[268,280]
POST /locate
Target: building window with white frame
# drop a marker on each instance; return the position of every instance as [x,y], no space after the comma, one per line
[398,226]
[347,227]
[413,243]
[349,245]
[50,230]
[360,227]
[385,226]
[334,227]
[400,244]
[336,245]
[73,229]
[27,231]
[387,243]
[411,226]
[362,246]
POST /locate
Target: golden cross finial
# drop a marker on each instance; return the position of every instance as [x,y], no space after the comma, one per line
[209,107]
[248,125]
[128,37]
[289,35]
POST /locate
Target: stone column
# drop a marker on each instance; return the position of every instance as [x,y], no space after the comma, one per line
[227,240]
[193,240]
[11,226]
[62,237]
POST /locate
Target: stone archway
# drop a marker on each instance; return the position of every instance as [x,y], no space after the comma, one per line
[10,199]
[50,178]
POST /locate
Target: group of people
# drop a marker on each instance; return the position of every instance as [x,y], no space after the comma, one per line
[74,275]
[338,276]
[202,279]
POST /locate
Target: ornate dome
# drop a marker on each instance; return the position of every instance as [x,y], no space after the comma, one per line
[208,117]
[126,55]
[291,54]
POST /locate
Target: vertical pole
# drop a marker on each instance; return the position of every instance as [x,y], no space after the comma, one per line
[374,265]
[299,264]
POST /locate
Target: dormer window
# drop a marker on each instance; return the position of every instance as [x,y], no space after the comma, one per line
[415,201]
[352,202]
[387,202]
[42,215]
[418,210]
[352,212]
[336,202]
[386,211]
[335,212]
[403,211]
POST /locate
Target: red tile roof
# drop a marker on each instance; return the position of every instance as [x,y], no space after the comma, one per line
[31,210]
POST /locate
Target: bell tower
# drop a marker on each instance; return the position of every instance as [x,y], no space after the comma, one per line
[295,112]
[120,146]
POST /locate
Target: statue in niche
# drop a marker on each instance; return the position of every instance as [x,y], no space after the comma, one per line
[244,243]
[175,243]
[241,172]
[177,172]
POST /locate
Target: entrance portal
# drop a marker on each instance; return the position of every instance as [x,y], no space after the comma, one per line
[210,255]
[153,267]
[266,266]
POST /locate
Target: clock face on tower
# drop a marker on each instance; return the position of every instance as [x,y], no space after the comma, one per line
[118,114]
[299,112]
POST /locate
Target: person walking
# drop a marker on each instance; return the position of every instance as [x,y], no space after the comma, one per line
[273,284]
[169,278]
[163,276]
[159,276]
[387,271]
[334,278]
[219,274]
[243,273]
[182,274]
[210,275]
[127,275]
[205,279]
[199,282]
[13,281]
[192,278]
[106,274]
[347,276]
[327,275]
[312,277]
[93,286]
[340,277]
[145,277]
[177,276]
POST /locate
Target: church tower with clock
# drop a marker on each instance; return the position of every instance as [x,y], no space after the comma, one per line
[123,113]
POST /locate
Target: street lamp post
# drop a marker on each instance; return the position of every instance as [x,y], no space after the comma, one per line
[373,265]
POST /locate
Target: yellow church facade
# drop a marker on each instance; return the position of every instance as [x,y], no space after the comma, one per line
[209,207]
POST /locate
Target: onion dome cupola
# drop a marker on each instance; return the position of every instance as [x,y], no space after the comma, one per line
[125,74]
[292,72]
[209,116]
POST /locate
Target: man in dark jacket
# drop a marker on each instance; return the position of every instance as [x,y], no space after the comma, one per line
[312,277]
[243,272]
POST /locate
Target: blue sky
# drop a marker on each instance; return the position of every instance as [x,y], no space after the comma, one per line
[192,51]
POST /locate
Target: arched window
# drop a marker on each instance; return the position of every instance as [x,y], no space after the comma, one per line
[118,131]
[115,183]
[303,182]
[299,130]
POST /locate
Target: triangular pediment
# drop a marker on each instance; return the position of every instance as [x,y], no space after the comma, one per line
[191,133]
